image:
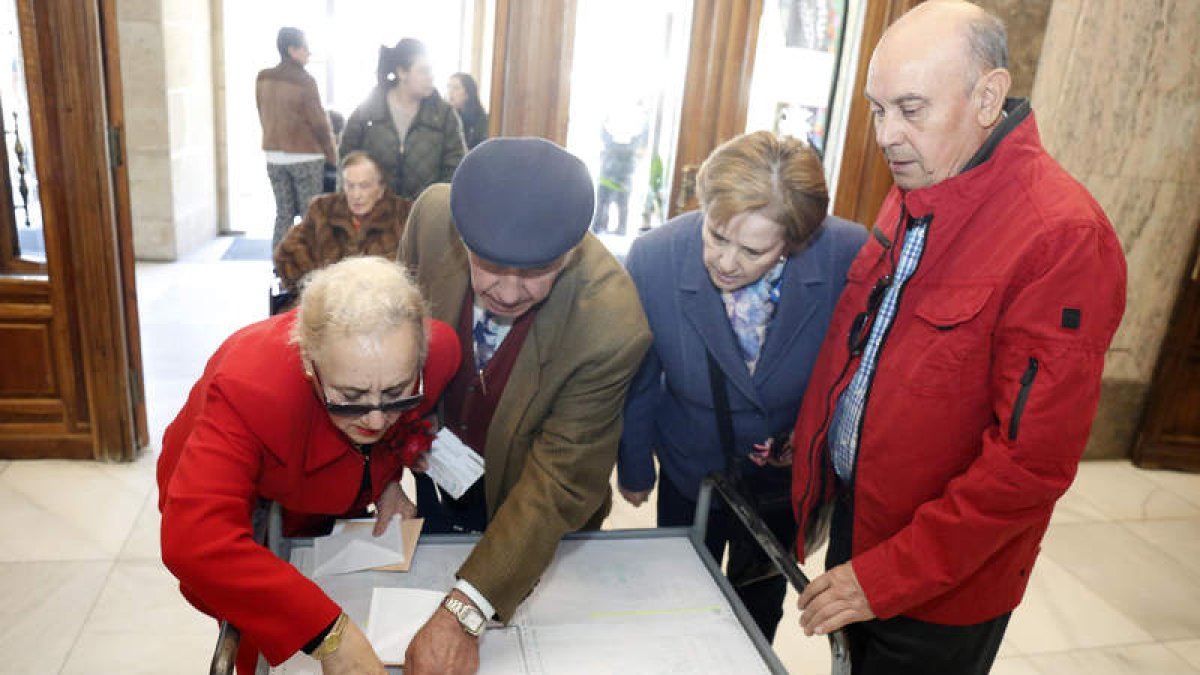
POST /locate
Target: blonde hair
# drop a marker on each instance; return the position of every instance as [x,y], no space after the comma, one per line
[779,178]
[358,296]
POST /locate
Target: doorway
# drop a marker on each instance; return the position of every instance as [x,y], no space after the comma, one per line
[656,85]
[626,92]
[345,37]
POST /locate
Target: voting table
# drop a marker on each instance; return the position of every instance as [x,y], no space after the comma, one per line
[617,601]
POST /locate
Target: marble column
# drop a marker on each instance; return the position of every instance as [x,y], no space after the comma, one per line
[166,72]
[1025,21]
[1117,98]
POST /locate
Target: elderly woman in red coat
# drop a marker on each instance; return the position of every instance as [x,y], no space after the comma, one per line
[318,409]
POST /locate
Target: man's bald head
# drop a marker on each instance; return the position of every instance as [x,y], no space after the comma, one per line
[937,83]
[979,39]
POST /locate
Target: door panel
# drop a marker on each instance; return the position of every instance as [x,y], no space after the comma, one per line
[65,328]
[531,69]
[1170,433]
[115,108]
[717,90]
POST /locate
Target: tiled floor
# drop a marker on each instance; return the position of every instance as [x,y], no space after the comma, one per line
[1116,590]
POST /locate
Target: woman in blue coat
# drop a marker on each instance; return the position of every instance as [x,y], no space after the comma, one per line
[739,296]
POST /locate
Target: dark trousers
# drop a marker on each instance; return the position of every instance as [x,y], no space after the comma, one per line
[604,196]
[763,599]
[443,513]
[904,646]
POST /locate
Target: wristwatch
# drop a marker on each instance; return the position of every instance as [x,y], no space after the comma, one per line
[470,618]
[333,639]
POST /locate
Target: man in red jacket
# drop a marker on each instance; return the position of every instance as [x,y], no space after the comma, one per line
[959,378]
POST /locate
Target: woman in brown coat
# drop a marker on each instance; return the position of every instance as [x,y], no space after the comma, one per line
[365,218]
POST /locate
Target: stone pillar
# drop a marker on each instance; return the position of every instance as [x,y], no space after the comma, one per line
[144,81]
[166,70]
[1025,21]
[1117,98]
[220,119]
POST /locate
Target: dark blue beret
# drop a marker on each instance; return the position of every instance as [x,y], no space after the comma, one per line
[521,202]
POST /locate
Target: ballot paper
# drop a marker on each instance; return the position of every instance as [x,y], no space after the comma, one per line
[356,548]
[713,644]
[452,464]
[650,597]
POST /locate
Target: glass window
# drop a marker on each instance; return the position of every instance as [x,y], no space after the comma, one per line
[22,218]
[627,76]
[796,68]
[344,37]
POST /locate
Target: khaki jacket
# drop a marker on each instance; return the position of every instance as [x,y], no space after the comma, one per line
[289,108]
[327,234]
[552,443]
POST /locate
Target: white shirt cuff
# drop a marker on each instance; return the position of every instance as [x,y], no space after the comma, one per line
[476,597]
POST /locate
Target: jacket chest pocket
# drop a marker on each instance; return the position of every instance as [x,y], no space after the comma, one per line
[949,343]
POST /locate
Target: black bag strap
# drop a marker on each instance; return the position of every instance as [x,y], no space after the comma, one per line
[720,394]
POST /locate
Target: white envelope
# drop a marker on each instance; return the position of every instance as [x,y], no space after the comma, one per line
[396,616]
[355,549]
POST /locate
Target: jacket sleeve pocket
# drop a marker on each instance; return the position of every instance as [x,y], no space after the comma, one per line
[1027,378]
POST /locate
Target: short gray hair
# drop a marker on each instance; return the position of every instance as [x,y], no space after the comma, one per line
[987,40]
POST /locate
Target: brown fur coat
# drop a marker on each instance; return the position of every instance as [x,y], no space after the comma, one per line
[327,235]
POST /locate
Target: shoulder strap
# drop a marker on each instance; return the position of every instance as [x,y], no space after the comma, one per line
[720,394]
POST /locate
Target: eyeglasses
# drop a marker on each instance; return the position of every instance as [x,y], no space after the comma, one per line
[402,404]
[860,328]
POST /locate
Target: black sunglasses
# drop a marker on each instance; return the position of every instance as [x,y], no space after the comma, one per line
[860,331]
[403,404]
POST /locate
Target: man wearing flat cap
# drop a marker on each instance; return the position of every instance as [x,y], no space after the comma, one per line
[552,333]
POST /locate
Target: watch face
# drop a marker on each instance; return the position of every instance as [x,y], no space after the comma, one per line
[470,618]
[473,620]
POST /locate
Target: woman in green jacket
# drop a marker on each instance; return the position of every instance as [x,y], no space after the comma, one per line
[411,133]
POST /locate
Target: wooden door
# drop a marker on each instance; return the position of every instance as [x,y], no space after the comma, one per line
[717,90]
[115,108]
[1169,437]
[531,68]
[66,383]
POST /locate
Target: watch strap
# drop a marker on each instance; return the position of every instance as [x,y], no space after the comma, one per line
[333,639]
[461,610]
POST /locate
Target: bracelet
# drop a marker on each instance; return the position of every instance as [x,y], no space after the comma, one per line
[333,640]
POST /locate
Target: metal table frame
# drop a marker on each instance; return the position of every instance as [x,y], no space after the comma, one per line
[268,528]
